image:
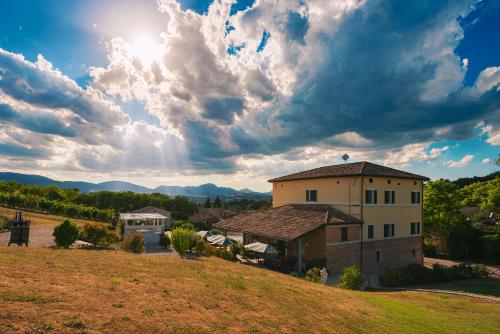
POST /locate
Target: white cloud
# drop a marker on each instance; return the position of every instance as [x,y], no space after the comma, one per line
[488,79]
[352,138]
[460,163]
[413,153]
[486,161]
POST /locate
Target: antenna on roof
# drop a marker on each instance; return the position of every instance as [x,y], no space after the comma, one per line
[345,157]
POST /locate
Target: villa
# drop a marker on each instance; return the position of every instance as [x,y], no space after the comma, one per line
[356,213]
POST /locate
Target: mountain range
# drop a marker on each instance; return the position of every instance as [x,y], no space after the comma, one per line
[204,190]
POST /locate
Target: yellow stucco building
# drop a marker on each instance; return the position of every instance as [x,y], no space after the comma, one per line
[366,214]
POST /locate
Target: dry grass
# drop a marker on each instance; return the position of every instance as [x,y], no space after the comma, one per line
[81,291]
[39,218]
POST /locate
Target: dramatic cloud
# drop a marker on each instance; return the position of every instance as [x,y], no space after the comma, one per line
[280,80]
[462,162]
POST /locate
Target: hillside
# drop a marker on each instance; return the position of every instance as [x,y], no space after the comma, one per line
[203,190]
[51,290]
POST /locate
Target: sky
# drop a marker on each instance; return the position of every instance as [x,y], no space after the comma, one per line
[236,92]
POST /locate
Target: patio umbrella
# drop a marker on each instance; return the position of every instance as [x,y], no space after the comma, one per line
[204,234]
[220,240]
[259,247]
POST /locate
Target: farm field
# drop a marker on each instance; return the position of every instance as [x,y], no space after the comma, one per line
[39,218]
[45,290]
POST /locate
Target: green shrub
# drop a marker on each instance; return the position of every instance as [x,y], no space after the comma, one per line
[480,270]
[183,239]
[313,275]
[351,278]
[4,222]
[429,249]
[395,277]
[223,253]
[164,240]
[237,248]
[441,273]
[103,235]
[200,245]
[198,226]
[66,233]
[134,242]
[418,274]
[215,231]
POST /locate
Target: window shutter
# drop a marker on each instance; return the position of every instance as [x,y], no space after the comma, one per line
[374,197]
[393,199]
[386,197]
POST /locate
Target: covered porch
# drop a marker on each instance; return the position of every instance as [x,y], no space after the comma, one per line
[297,232]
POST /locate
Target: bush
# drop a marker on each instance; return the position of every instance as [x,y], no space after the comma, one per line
[480,270]
[66,233]
[313,275]
[134,242]
[351,278]
[164,240]
[200,245]
[441,273]
[418,274]
[215,231]
[429,249]
[238,249]
[4,222]
[183,239]
[395,277]
[198,226]
[97,234]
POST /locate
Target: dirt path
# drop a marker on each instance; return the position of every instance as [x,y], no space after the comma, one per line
[40,236]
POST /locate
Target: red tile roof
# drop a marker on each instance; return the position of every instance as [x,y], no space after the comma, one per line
[363,168]
[286,222]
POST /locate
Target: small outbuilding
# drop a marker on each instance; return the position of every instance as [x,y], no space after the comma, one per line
[151,225]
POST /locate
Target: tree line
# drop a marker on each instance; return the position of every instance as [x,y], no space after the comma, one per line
[457,233]
[99,205]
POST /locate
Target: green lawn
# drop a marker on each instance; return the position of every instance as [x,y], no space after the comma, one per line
[484,286]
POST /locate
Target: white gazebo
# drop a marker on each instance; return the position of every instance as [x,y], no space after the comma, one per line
[151,225]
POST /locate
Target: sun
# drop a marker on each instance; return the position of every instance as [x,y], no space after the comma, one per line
[147,50]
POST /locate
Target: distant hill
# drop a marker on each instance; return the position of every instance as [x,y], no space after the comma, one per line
[465,181]
[204,190]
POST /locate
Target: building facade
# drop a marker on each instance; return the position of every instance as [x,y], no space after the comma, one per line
[388,203]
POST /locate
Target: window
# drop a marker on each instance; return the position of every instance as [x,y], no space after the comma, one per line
[343,234]
[415,197]
[370,231]
[379,256]
[389,197]
[311,196]
[388,230]
[415,228]
[413,253]
[371,197]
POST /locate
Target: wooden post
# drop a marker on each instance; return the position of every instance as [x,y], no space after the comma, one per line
[299,256]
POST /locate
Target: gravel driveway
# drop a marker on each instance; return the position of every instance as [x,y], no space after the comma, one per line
[40,236]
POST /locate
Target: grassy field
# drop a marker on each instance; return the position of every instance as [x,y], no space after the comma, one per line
[46,290]
[486,286]
[39,218]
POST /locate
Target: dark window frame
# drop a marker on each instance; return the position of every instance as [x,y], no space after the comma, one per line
[389,197]
[344,234]
[370,196]
[389,230]
[371,231]
[415,197]
[311,195]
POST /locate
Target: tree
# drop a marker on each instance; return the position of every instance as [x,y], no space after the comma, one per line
[183,239]
[207,204]
[217,202]
[441,211]
[66,233]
